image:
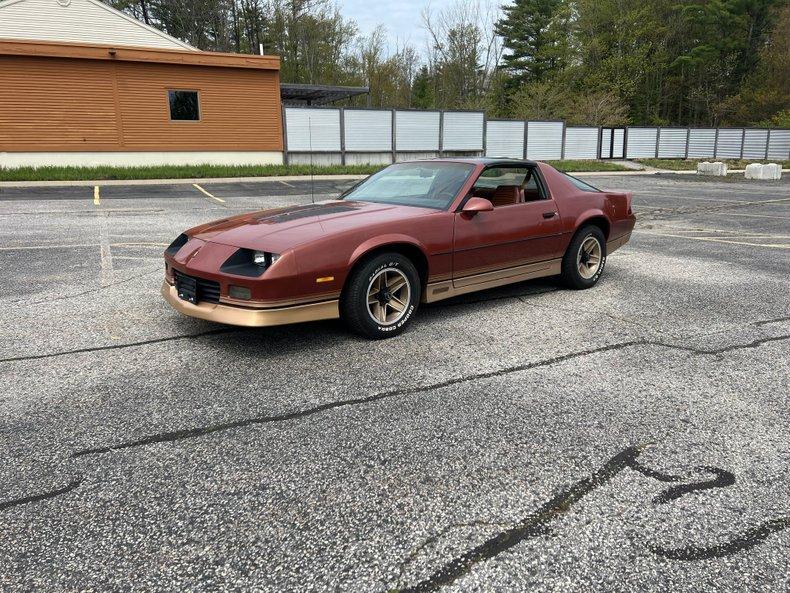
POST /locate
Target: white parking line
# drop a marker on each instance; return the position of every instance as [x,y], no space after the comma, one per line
[209,194]
[718,240]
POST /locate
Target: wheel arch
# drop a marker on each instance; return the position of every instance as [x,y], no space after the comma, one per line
[595,218]
[402,244]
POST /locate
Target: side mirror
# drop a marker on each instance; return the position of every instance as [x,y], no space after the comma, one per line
[475,205]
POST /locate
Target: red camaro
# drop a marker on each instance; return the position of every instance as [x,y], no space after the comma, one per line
[413,233]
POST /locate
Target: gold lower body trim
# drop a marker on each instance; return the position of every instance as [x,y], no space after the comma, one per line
[617,243]
[438,291]
[231,315]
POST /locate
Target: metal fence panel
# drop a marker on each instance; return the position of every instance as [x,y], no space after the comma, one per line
[505,139]
[672,143]
[368,130]
[754,144]
[462,130]
[702,143]
[617,148]
[417,130]
[581,143]
[316,130]
[779,145]
[544,140]
[641,143]
[728,144]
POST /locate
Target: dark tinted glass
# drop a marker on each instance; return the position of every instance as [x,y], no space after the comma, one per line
[581,184]
[184,105]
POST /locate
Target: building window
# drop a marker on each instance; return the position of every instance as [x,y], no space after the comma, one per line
[184,105]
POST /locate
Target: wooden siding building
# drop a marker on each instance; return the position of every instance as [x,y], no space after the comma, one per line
[83,104]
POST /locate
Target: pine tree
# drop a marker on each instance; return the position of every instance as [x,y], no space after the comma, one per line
[422,95]
[530,37]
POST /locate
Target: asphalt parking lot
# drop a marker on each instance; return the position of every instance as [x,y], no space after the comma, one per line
[633,437]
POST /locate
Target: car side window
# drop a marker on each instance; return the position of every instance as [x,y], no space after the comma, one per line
[507,186]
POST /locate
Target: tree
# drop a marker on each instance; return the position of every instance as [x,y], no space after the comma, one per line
[462,53]
[422,95]
[764,97]
[534,33]
[652,62]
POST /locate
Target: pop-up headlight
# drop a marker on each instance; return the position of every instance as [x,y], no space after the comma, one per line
[247,262]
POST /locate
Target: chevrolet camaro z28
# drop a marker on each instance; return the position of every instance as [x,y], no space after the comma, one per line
[415,232]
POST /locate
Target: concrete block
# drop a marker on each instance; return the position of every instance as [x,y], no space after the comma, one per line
[716,169]
[771,171]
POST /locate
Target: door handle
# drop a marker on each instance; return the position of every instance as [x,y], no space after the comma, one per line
[549,214]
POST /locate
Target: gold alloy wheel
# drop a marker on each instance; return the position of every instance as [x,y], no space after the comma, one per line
[389,294]
[588,260]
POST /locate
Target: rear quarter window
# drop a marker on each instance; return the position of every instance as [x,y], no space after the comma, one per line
[581,184]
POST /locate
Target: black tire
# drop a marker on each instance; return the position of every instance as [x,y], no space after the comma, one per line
[355,309]
[572,276]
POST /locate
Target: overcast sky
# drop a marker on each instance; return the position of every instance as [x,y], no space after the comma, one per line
[401,18]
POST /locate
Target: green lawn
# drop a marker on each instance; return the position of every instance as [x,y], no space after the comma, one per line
[174,172]
[586,166]
[209,171]
[691,164]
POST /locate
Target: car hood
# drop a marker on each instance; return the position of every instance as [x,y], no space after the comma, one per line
[280,229]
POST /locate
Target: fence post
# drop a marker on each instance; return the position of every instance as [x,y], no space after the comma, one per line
[600,140]
[526,137]
[562,149]
[285,134]
[743,140]
[767,143]
[485,132]
[441,132]
[394,145]
[342,136]
[716,143]
[658,139]
[625,142]
[688,139]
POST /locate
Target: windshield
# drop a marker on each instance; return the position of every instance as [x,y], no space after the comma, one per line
[426,184]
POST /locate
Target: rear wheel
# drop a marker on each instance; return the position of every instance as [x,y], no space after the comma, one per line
[381,296]
[585,258]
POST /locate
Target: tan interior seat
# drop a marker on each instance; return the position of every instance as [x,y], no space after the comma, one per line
[531,194]
[505,195]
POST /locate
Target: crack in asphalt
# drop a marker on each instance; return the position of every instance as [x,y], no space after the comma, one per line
[211,332]
[767,321]
[733,347]
[533,525]
[298,414]
[745,541]
[722,480]
[22,303]
[43,496]
[200,431]
[437,536]
[538,523]
[663,213]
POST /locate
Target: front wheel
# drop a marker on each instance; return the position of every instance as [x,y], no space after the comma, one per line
[585,258]
[381,296]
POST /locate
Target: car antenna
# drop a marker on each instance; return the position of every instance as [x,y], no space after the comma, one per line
[310,137]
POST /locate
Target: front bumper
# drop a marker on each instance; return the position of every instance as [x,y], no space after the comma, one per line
[233,315]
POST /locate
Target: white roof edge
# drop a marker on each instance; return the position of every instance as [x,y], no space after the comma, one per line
[131,19]
[108,8]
